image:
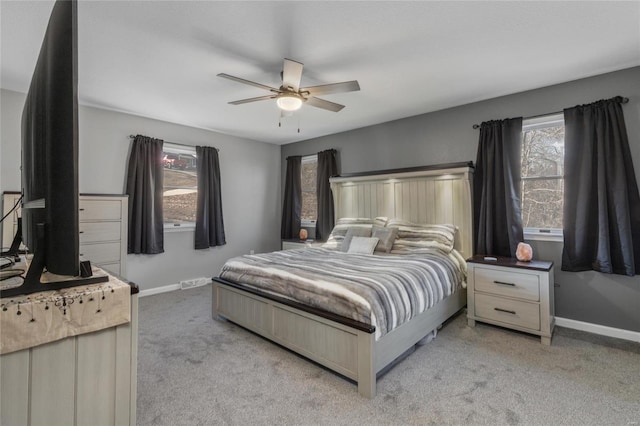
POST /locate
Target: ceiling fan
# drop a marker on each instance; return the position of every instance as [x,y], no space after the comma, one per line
[290,96]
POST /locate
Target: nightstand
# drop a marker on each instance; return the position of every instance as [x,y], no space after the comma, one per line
[298,244]
[512,294]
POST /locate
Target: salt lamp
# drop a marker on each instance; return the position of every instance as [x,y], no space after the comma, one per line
[524,252]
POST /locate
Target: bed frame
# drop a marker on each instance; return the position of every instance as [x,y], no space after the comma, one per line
[434,194]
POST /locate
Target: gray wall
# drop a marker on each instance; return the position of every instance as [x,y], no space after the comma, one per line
[250,173]
[447,136]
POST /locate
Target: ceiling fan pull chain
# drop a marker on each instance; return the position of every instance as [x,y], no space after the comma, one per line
[298,124]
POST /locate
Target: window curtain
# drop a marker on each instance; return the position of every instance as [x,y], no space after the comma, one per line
[292,205]
[601,205]
[209,221]
[497,209]
[144,187]
[326,168]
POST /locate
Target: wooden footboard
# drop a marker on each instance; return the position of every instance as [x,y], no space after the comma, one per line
[350,350]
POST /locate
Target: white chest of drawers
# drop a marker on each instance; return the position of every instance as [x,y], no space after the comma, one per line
[512,294]
[102,224]
[103,231]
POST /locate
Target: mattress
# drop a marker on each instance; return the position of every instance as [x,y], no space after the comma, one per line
[384,291]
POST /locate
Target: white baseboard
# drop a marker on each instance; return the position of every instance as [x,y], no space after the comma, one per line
[165,289]
[603,330]
[158,290]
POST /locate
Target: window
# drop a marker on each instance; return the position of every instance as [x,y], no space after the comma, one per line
[180,189]
[542,170]
[309,171]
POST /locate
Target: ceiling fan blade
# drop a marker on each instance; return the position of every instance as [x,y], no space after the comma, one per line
[325,89]
[321,103]
[291,74]
[259,98]
[250,83]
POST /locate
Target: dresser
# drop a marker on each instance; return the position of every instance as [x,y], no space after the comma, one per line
[83,379]
[103,231]
[102,224]
[511,294]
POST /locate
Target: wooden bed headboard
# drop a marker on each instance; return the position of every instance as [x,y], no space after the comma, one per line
[432,195]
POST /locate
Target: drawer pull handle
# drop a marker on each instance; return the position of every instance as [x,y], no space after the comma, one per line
[504,283]
[81,210]
[82,232]
[506,311]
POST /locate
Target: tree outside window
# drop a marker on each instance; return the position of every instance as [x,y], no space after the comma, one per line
[309,171]
[542,171]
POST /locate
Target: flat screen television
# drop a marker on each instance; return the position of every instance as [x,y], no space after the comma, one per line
[50,213]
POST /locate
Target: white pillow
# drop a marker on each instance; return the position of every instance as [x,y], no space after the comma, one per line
[354,232]
[363,245]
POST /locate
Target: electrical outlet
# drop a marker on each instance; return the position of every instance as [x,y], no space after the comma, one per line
[252,252]
[196,282]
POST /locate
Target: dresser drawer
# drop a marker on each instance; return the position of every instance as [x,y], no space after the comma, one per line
[101,252]
[99,231]
[508,311]
[507,283]
[100,210]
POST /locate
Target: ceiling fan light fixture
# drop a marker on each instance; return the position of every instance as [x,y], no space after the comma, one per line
[289,102]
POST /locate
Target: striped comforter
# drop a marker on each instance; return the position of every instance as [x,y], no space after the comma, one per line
[382,290]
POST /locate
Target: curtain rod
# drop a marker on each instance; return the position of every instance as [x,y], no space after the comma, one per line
[175,143]
[335,151]
[477,126]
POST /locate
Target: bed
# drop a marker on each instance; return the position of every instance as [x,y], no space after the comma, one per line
[358,343]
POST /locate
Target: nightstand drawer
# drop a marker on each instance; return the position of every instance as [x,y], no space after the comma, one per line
[507,283]
[522,314]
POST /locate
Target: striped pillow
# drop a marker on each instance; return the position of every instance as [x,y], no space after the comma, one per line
[414,238]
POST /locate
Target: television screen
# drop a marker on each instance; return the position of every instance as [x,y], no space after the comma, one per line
[50,146]
[50,228]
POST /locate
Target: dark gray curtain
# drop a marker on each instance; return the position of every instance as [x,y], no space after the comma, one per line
[497,210]
[144,187]
[209,223]
[292,205]
[326,168]
[601,202]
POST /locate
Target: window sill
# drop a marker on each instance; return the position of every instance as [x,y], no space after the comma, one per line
[183,227]
[541,236]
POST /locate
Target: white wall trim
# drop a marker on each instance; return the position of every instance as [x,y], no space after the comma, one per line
[158,290]
[603,330]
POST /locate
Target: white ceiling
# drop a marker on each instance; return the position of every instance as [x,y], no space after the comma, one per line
[159,59]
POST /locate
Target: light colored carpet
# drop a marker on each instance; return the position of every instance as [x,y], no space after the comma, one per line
[193,370]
